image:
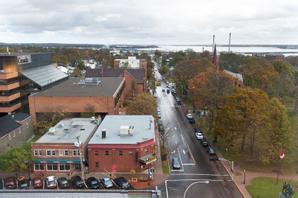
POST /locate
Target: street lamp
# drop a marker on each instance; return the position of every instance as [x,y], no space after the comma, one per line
[79,145]
[27,162]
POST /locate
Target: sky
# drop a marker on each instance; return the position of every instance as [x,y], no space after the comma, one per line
[158,22]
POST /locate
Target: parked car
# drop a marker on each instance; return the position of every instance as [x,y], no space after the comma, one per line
[92,183]
[23,183]
[77,182]
[168,91]
[190,118]
[175,163]
[107,182]
[178,101]
[204,142]
[198,130]
[10,183]
[199,136]
[212,153]
[1,183]
[122,183]
[51,182]
[163,90]
[37,183]
[173,92]
[63,183]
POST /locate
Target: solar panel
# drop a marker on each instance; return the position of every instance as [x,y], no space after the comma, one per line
[44,75]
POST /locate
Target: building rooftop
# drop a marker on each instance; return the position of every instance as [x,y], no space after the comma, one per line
[66,131]
[138,74]
[235,75]
[7,124]
[106,86]
[141,129]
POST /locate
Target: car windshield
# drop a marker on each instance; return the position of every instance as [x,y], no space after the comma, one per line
[93,182]
[37,181]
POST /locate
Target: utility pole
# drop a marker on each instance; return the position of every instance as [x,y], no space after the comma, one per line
[230,37]
[213,42]
[80,145]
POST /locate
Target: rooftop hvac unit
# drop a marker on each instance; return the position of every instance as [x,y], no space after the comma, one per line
[126,130]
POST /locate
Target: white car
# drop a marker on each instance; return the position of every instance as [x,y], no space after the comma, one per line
[189,116]
[199,136]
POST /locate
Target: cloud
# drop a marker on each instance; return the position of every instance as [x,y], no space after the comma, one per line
[146,22]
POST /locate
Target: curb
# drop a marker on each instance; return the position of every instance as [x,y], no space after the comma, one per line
[240,188]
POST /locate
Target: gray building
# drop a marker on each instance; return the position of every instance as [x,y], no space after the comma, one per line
[15,130]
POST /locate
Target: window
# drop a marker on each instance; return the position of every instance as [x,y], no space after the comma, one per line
[96,164]
[130,153]
[55,166]
[74,152]
[37,152]
[38,167]
[106,152]
[49,167]
[53,152]
[120,153]
[66,152]
[77,167]
[48,152]
[96,153]
[64,167]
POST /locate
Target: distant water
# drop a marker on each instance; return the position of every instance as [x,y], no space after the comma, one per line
[244,49]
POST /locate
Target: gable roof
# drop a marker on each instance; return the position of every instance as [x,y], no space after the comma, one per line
[138,74]
[7,125]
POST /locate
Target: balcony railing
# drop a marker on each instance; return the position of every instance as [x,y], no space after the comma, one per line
[8,75]
[10,108]
[10,98]
[10,86]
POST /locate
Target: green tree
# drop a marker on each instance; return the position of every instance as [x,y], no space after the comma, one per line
[143,104]
[164,70]
[13,160]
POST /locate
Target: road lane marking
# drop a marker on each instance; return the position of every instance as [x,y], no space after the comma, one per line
[189,164]
[210,180]
[191,155]
[183,151]
[189,186]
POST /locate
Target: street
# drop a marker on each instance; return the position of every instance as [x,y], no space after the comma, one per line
[198,176]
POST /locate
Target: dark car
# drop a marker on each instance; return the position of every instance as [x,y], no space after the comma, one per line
[168,91]
[37,183]
[173,92]
[10,183]
[1,183]
[212,153]
[23,183]
[123,183]
[51,182]
[107,182]
[163,90]
[63,183]
[92,183]
[204,142]
[178,101]
[77,182]
[198,130]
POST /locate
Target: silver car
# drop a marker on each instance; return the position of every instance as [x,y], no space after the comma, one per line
[176,163]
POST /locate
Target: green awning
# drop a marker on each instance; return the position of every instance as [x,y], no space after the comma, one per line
[58,161]
[147,159]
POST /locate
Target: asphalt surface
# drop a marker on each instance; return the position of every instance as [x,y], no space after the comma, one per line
[198,176]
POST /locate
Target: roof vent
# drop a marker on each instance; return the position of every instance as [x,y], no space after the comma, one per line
[103,133]
[126,130]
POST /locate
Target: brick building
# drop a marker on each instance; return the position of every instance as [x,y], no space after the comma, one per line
[76,95]
[22,74]
[135,79]
[57,150]
[15,130]
[123,143]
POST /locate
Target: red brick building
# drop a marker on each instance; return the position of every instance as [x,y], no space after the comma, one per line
[57,150]
[76,95]
[123,143]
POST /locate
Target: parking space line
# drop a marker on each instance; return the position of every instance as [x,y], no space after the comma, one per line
[190,179]
[179,155]
[212,175]
[189,164]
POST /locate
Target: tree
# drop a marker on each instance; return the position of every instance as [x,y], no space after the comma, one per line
[13,160]
[231,61]
[208,89]
[251,124]
[259,73]
[143,104]
[186,70]
[164,70]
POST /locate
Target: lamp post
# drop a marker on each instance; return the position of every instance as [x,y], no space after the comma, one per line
[79,145]
[27,162]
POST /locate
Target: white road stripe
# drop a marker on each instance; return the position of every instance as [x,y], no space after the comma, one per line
[213,175]
[189,164]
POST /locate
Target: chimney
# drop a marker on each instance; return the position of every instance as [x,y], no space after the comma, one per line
[103,133]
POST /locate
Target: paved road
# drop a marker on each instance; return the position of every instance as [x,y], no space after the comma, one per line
[198,176]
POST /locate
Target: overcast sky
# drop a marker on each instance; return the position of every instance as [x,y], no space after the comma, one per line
[149,21]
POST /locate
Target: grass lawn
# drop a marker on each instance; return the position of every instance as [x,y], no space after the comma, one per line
[165,167]
[263,187]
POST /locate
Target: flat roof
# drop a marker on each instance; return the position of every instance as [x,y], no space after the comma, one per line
[105,86]
[143,129]
[67,131]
